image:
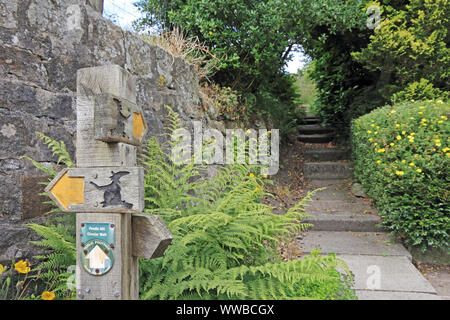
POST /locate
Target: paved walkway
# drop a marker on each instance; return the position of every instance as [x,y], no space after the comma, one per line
[348,226]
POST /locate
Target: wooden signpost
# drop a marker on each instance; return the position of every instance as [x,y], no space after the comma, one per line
[107,189]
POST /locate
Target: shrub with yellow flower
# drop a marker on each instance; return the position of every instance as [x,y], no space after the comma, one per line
[413,156]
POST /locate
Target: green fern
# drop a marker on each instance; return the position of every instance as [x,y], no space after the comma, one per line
[58,148]
[225,240]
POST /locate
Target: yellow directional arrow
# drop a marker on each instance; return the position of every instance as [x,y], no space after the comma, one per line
[65,190]
[139,126]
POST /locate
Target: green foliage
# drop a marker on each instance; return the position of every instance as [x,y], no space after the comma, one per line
[420,90]
[411,44]
[402,157]
[226,242]
[254,39]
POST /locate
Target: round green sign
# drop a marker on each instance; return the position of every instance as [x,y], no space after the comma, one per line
[97,257]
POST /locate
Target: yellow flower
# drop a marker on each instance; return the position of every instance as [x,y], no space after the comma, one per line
[444,117]
[424,120]
[378,161]
[22,267]
[419,170]
[403,132]
[441,121]
[440,102]
[265,176]
[420,112]
[397,125]
[399,173]
[446,149]
[48,295]
[368,131]
[249,131]
[372,125]
[422,107]
[210,33]
[413,134]
[447,154]
[412,164]
[381,150]
[2,268]
[399,138]
[375,144]
[403,161]
[252,175]
[411,139]
[393,111]
[392,144]
[437,140]
[257,189]
[370,139]
[375,133]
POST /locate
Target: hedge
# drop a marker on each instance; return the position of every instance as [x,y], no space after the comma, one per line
[401,156]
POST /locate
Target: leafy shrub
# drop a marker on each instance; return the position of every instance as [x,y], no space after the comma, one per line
[411,43]
[402,157]
[419,90]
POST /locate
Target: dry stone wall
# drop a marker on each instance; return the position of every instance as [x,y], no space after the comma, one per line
[42,45]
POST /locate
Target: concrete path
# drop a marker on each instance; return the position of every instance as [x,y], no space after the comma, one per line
[348,226]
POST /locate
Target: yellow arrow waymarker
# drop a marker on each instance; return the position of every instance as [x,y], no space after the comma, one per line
[65,190]
[138,125]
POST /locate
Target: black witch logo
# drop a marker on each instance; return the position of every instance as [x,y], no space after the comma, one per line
[112,195]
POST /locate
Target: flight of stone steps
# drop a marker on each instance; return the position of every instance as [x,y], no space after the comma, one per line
[348,225]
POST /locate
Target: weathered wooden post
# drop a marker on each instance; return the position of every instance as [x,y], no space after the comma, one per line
[107,189]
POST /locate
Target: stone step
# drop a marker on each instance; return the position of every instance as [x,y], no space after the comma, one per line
[310,115]
[327,170]
[356,207]
[312,121]
[395,295]
[314,129]
[353,243]
[326,154]
[316,138]
[344,222]
[396,275]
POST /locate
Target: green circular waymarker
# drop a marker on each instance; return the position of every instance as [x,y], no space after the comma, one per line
[97,257]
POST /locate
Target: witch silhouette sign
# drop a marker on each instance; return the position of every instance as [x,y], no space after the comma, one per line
[112,192]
